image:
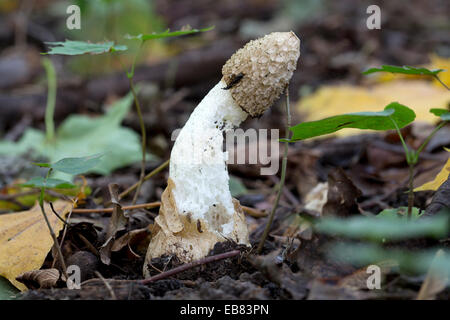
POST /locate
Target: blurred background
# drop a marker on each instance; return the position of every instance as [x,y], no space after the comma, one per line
[174,74]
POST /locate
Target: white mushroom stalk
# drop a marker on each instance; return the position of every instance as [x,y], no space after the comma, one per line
[197,208]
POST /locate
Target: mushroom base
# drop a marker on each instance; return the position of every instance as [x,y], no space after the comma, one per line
[187,238]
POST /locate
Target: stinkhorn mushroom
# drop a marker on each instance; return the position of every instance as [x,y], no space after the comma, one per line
[197,209]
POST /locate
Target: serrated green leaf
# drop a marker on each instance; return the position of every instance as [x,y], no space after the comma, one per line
[50,183]
[381,120]
[77,165]
[380,228]
[444,114]
[73,48]
[404,70]
[167,34]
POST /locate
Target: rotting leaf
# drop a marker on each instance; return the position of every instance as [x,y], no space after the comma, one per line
[117,223]
[25,240]
[294,283]
[138,238]
[342,195]
[40,279]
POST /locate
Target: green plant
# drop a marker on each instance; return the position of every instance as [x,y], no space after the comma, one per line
[80,47]
[69,166]
[412,156]
[408,70]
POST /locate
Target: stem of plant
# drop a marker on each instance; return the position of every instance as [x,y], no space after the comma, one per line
[412,156]
[51,98]
[148,176]
[438,79]
[130,76]
[283,176]
[52,233]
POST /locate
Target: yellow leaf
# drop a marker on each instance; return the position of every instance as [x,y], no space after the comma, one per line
[25,239]
[334,100]
[441,63]
[441,177]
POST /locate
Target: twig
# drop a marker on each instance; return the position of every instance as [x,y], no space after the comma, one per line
[283,176]
[52,233]
[149,205]
[191,265]
[107,285]
[57,215]
[438,79]
[66,225]
[148,176]
[55,241]
[176,270]
[254,212]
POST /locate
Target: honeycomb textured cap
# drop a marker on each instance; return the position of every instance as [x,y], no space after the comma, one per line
[258,73]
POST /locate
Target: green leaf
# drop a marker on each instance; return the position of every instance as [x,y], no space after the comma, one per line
[73,48]
[444,114]
[414,261]
[7,290]
[79,135]
[382,227]
[237,188]
[381,120]
[77,165]
[400,212]
[167,34]
[50,183]
[42,164]
[404,70]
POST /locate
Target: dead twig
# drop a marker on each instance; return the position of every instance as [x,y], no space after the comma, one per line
[176,270]
[148,176]
[150,205]
[107,285]
[191,265]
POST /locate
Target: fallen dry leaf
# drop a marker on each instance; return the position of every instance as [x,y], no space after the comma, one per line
[342,195]
[25,239]
[418,95]
[435,281]
[39,279]
[441,177]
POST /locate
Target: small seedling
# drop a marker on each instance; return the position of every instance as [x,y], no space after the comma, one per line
[67,165]
[412,156]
